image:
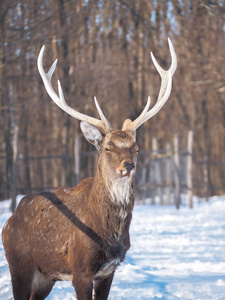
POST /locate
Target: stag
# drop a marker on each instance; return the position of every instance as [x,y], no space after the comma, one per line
[80,234]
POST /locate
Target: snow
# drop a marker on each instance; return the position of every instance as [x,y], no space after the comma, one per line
[175,254]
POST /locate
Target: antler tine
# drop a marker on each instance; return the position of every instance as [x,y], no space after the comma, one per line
[159,104]
[102,124]
[164,93]
[127,125]
[163,73]
[101,115]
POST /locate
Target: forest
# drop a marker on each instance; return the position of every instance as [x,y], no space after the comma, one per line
[103,50]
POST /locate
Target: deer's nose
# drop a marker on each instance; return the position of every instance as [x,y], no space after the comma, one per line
[129,166]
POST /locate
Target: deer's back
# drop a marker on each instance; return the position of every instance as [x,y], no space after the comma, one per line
[45,224]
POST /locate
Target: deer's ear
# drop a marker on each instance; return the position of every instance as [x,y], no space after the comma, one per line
[91,134]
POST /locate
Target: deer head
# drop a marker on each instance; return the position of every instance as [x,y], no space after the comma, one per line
[100,133]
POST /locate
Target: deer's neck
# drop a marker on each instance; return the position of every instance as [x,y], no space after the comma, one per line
[114,202]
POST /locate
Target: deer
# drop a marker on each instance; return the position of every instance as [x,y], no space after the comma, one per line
[81,233]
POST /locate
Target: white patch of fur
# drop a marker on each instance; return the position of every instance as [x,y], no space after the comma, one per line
[107,268]
[39,281]
[63,277]
[68,192]
[122,214]
[120,190]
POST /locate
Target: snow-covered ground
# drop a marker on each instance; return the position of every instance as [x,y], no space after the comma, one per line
[175,254]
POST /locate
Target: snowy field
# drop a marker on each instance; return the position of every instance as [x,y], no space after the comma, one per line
[174,255]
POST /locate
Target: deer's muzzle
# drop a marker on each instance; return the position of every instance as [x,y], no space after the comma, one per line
[129,166]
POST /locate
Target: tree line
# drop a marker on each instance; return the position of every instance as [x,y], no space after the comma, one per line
[103,50]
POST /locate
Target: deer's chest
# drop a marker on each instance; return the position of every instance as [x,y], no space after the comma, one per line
[106,269]
[114,252]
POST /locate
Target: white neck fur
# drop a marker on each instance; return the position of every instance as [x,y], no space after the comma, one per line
[120,190]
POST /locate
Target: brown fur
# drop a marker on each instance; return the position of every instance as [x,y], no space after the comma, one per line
[79,234]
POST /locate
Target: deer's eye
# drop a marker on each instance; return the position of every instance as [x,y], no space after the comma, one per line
[135,149]
[108,150]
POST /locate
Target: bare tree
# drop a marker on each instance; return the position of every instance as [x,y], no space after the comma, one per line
[104,47]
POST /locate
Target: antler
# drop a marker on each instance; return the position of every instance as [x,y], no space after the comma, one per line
[102,124]
[164,93]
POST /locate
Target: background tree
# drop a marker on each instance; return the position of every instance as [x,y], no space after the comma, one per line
[103,50]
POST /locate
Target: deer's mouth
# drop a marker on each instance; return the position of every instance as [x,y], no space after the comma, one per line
[126,173]
[126,168]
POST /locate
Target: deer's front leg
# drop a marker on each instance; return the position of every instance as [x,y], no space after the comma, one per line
[83,286]
[102,288]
